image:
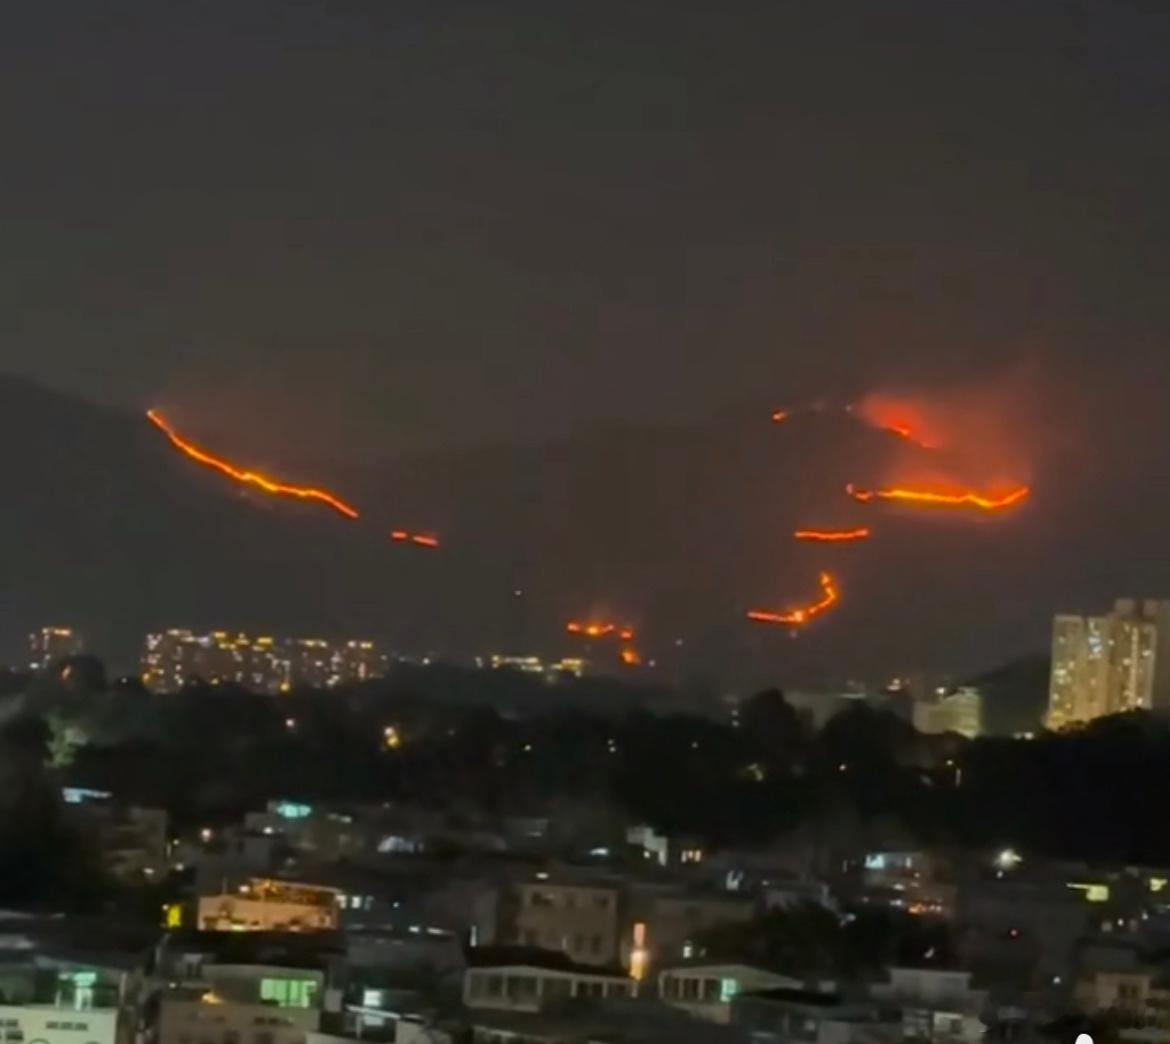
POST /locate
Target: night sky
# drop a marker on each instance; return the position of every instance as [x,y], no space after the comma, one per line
[424,223]
[330,234]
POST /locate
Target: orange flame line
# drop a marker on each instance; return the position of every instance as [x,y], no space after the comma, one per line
[779,416]
[399,535]
[832,536]
[905,433]
[424,540]
[798,617]
[932,497]
[631,657]
[248,477]
[596,629]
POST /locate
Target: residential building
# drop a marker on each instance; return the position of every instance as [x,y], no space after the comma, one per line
[327,835]
[524,979]
[813,1016]
[675,919]
[959,711]
[938,1005]
[1138,997]
[579,918]
[266,905]
[62,1000]
[50,644]
[1108,664]
[706,989]
[243,1003]
[177,657]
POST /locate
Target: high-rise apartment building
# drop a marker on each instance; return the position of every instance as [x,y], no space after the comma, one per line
[174,658]
[1109,664]
[53,643]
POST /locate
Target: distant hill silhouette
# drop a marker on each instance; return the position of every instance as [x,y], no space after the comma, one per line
[676,531]
[1015,695]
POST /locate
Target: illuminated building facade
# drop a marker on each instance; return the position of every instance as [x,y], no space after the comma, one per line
[53,643]
[178,657]
[960,711]
[264,905]
[1110,664]
[550,670]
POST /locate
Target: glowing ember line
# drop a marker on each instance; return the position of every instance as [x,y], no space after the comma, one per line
[250,478]
[832,536]
[596,629]
[904,432]
[800,616]
[932,497]
[779,416]
[403,536]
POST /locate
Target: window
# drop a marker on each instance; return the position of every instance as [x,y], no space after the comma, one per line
[595,945]
[578,943]
[556,987]
[728,988]
[521,986]
[14,1036]
[669,987]
[711,990]
[495,985]
[690,989]
[288,993]
[601,902]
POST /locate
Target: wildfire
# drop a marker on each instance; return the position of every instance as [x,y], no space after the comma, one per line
[631,657]
[404,536]
[832,536]
[802,615]
[779,416]
[250,478]
[940,499]
[599,629]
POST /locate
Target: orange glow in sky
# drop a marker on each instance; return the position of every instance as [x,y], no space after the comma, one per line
[906,432]
[803,614]
[250,478]
[779,416]
[938,498]
[631,657]
[832,536]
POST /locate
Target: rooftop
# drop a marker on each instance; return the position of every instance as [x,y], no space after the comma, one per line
[534,957]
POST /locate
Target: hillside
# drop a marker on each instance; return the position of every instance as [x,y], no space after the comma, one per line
[676,531]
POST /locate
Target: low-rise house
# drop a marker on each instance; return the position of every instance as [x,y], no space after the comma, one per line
[813,1017]
[528,980]
[937,1004]
[61,999]
[705,989]
[267,905]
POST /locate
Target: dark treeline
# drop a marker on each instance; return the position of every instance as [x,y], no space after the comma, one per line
[212,752]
